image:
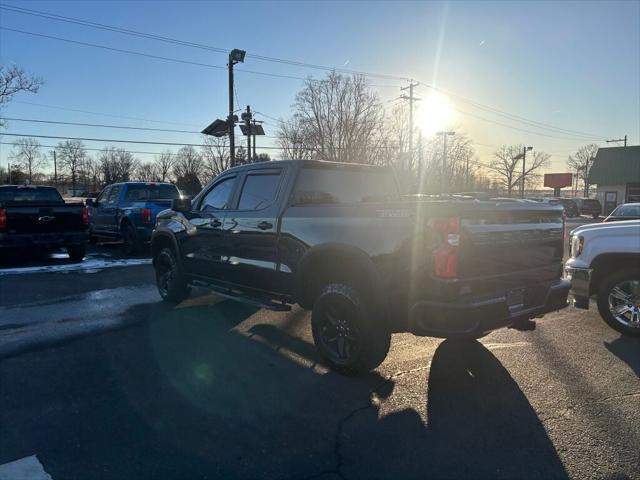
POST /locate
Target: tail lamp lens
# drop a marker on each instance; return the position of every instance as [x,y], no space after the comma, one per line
[446,254]
[146,215]
[3,218]
[85,216]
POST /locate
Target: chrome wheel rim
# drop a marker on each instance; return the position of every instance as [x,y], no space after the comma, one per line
[624,303]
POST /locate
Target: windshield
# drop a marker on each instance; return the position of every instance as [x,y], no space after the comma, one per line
[141,193]
[29,194]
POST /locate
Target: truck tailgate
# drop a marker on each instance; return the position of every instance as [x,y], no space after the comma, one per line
[23,219]
[503,242]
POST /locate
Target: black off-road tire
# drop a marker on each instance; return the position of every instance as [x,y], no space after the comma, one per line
[606,285]
[342,308]
[170,281]
[76,252]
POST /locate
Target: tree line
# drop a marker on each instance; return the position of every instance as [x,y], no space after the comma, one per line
[189,168]
[338,118]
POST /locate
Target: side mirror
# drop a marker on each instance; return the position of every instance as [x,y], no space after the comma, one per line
[90,202]
[181,204]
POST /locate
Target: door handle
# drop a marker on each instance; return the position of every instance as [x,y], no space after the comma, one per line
[214,222]
[265,225]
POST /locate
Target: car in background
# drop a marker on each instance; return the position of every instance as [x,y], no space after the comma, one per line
[627,211]
[127,211]
[588,206]
[36,218]
[605,263]
[570,207]
[508,199]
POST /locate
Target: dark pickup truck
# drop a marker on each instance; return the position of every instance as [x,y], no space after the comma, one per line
[37,218]
[338,239]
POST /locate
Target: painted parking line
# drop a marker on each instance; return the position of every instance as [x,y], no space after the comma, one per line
[89,266]
[27,468]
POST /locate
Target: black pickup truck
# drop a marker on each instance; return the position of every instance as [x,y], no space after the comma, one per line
[37,218]
[339,240]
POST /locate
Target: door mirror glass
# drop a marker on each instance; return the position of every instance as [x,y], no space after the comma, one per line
[181,204]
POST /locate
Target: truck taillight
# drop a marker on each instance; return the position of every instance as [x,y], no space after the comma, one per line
[446,255]
[3,218]
[85,216]
[146,215]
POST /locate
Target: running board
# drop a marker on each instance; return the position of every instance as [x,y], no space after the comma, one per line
[244,298]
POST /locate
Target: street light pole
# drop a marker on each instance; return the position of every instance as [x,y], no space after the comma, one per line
[235,56]
[443,177]
[524,162]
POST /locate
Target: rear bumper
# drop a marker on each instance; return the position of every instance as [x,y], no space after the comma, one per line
[42,240]
[439,319]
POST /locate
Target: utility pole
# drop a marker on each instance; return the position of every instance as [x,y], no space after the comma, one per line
[9,172]
[254,140]
[246,116]
[443,179]
[524,168]
[235,56]
[411,99]
[55,170]
[619,140]
[586,176]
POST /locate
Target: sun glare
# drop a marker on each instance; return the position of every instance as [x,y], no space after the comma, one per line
[434,114]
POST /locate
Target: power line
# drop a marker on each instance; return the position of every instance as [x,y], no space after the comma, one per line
[100,125]
[162,38]
[522,129]
[511,116]
[56,107]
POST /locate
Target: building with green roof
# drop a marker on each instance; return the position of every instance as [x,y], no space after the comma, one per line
[616,171]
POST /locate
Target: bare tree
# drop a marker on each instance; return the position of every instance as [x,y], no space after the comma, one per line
[117,165]
[147,172]
[13,80]
[507,166]
[339,117]
[188,170]
[28,155]
[164,164]
[71,155]
[581,162]
[294,140]
[215,155]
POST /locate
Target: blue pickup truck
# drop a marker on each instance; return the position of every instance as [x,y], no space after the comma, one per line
[128,211]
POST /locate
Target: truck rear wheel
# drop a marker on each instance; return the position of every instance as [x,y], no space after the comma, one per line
[76,252]
[171,284]
[347,331]
[619,301]
[131,244]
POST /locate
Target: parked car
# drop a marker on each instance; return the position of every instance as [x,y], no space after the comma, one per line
[627,211]
[508,199]
[127,211]
[570,207]
[588,206]
[605,263]
[338,240]
[37,218]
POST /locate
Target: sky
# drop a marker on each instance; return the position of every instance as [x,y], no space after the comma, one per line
[573,65]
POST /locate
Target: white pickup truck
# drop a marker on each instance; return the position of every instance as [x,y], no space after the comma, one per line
[605,262]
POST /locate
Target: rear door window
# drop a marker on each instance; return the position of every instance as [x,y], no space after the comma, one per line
[259,190]
[144,192]
[343,185]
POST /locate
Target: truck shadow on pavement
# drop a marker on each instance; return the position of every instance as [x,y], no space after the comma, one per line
[626,349]
[188,395]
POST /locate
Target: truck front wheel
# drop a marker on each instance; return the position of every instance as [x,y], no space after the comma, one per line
[347,331]
[171,283]
[619,301]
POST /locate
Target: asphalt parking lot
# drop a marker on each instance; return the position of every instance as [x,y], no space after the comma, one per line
[99,379]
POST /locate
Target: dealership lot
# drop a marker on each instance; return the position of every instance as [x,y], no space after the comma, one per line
[100,379]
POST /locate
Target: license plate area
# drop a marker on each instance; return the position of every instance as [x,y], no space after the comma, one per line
[515,298]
